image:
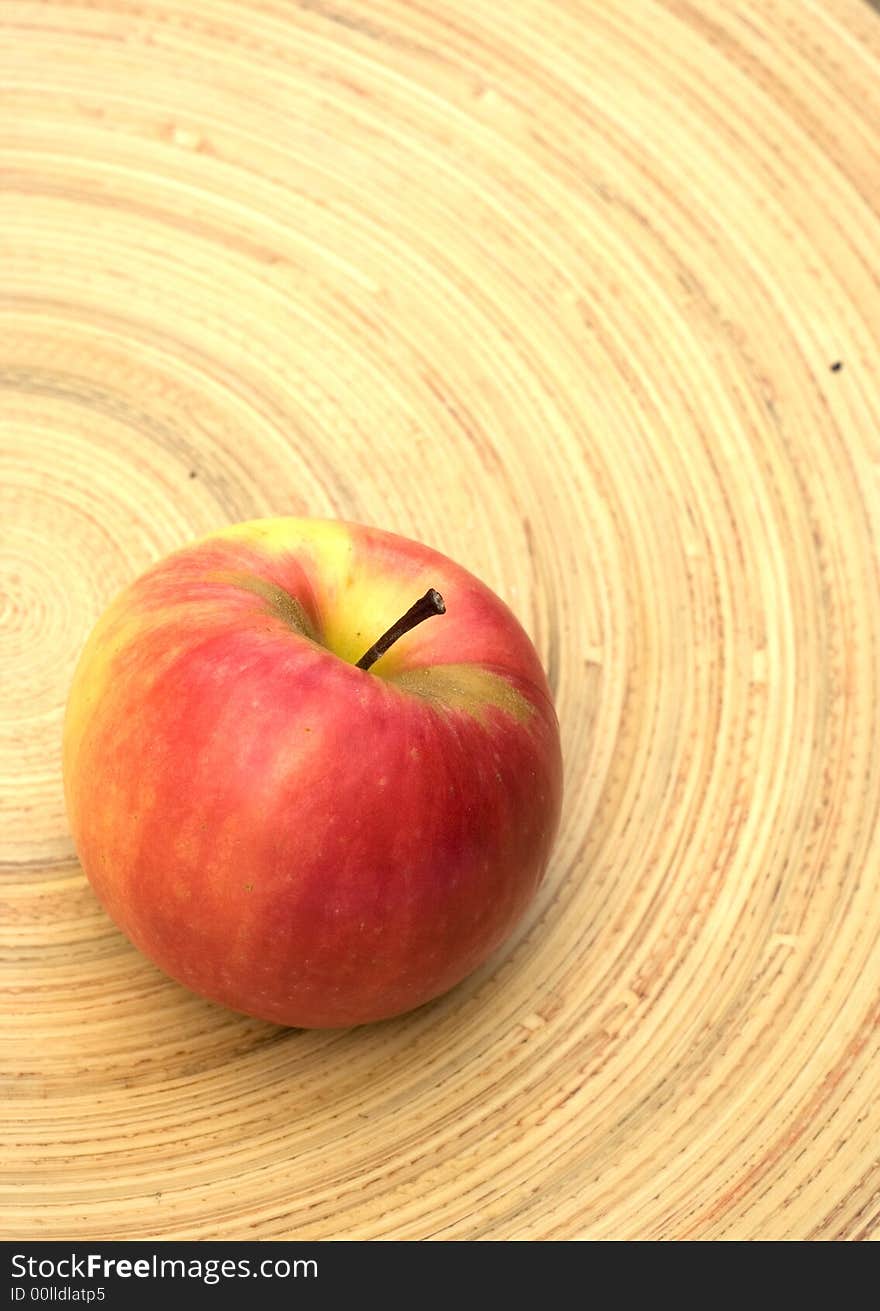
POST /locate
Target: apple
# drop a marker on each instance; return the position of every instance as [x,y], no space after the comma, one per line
[292,799]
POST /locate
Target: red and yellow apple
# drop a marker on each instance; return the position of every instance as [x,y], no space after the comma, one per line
[285,832]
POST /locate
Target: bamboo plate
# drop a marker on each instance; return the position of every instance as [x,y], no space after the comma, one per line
[584,295]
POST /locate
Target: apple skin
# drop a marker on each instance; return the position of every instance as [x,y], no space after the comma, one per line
[282,832]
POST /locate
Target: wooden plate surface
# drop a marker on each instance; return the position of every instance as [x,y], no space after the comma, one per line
[584,295]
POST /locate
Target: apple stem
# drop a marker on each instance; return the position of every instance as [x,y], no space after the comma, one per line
[431,603]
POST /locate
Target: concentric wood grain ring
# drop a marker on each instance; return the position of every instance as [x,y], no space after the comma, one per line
[563,293]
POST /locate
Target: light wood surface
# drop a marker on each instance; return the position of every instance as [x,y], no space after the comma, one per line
[558,288]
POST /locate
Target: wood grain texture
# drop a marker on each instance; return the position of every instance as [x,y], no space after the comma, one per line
[563,293]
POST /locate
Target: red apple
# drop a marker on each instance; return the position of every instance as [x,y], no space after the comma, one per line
[283,831]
